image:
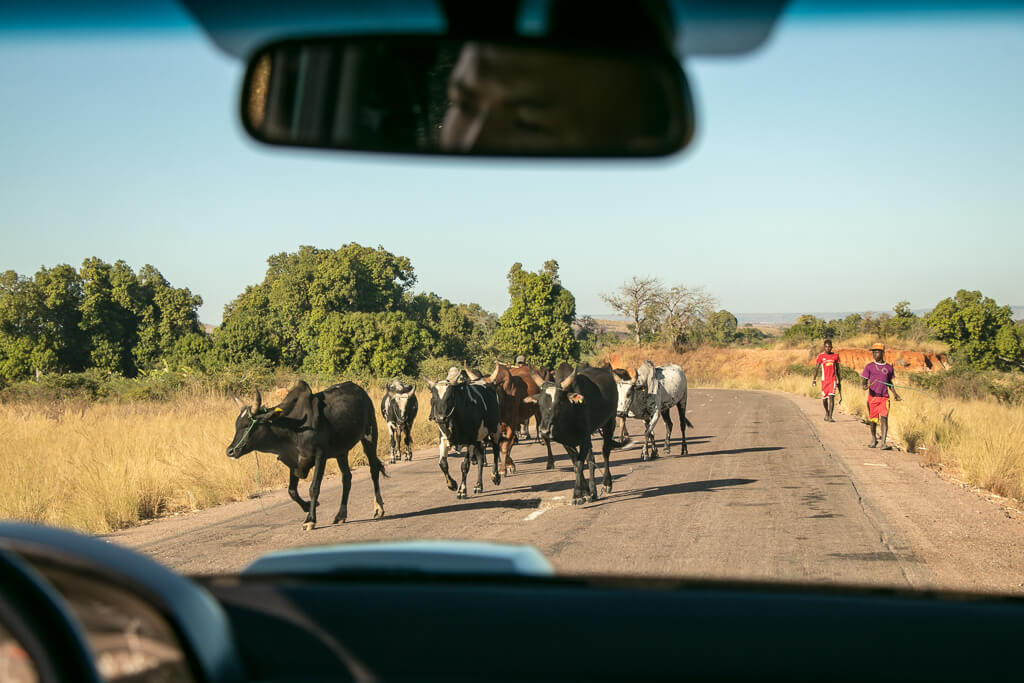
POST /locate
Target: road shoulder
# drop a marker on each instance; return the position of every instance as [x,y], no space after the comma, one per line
[956,539]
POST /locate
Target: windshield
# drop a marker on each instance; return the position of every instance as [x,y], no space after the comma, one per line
[175,297]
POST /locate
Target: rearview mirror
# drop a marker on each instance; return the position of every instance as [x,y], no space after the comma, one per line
[441,96]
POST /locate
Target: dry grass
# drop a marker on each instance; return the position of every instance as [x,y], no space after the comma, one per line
[979,440]
[104,466]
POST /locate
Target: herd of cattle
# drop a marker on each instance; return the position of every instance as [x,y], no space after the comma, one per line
[470,410]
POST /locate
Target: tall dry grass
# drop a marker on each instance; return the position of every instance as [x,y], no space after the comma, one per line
[980,440]
[98,467]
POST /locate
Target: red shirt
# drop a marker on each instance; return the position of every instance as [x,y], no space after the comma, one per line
[827,361]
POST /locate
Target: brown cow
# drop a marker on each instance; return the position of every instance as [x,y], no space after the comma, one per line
[512,392]
[527,410]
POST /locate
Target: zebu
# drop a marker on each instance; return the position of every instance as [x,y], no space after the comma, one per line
[572,408]
[651,396]
[399,407]
[466,414]
[307,429]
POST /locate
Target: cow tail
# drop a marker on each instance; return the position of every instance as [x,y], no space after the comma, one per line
[688,423]
[625,443]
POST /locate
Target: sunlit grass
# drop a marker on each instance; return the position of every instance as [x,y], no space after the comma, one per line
[102,466]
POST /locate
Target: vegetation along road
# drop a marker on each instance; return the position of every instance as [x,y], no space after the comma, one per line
[767,492]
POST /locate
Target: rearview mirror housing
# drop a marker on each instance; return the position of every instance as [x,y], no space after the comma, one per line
[439,95]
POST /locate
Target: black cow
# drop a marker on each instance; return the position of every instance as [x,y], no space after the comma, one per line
[574,406]
[306,429]
[466,414]
[399,407]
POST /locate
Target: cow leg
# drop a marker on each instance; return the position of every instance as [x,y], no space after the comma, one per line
[608,436]
[496,475]
[547,443]
[505,441]
[668,430]
[479,488]
[655,414]
[681,408]
[443,464]
[461,493]
[314,492]
[346,488]
[623,433]
[390,440]
[577,473]
[376,468]
[591,494]
[293,490]
[408,441]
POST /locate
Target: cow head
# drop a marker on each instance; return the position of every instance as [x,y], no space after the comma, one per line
[402,402]
[502,379]
[553,399]
[247,422]
[442,405]
[628,392]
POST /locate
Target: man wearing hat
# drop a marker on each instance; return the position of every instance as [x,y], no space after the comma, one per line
[520,361]
[877,379]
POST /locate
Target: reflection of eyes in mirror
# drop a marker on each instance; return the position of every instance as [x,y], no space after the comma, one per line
[527,99]
[432,95]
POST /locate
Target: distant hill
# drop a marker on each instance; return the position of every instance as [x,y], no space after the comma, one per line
[782,319]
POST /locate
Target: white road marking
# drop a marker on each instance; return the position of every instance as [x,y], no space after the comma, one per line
[533,515]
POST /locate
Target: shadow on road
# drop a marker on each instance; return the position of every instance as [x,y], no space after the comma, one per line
[519,504]
[737,451]
[670,489]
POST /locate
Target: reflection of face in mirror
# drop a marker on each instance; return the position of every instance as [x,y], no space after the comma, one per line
[510,99]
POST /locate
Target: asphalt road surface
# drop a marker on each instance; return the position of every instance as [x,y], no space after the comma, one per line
[768,491]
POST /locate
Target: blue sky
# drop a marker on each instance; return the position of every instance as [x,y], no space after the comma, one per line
[842,167]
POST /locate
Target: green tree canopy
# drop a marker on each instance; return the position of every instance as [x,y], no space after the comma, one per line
[538,320]
[979,332]
[103,315]
[347,311]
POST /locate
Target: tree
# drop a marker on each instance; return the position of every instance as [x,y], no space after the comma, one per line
[722,325]
[538,320]
[639,299]
[283,319]
[980,333]
[684,312]
[104,316]
[808,327]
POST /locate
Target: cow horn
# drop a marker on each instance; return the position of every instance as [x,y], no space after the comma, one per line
[567,382]
[537,379]
[494,375]
[259,402]
[431,383]
[241,404]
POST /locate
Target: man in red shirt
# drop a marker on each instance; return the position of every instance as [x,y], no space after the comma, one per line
[826,367]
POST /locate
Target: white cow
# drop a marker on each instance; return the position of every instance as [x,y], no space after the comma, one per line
[649,397]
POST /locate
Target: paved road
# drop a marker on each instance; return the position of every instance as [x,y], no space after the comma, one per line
[767,491]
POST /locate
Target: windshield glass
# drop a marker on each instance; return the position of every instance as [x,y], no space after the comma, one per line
[176,299]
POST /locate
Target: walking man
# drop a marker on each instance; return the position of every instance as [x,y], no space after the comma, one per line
[826,366]
[877,379]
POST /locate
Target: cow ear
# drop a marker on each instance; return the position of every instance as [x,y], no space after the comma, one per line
[575,398]
[531,399]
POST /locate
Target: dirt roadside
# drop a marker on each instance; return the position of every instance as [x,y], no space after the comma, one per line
[960,539]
